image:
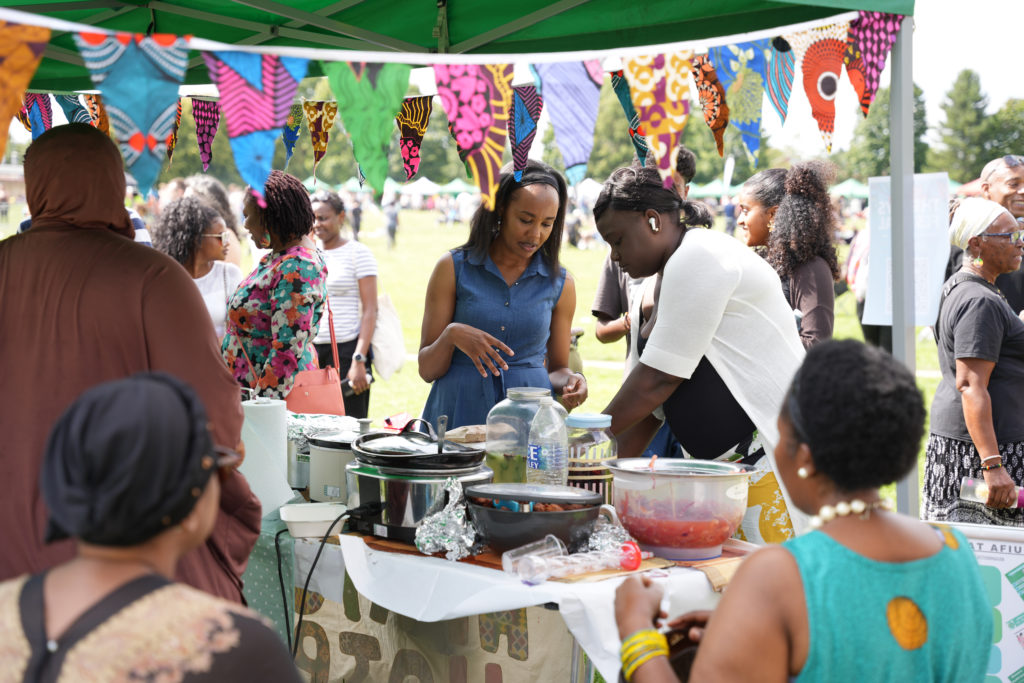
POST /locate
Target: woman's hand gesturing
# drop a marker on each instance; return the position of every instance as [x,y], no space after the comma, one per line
[482,348]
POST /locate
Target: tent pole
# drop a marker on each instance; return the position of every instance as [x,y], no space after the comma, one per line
[901,175]
[441,27]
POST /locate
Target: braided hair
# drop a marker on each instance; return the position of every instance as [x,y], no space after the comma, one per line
[639,188]
[181,226]
[289,213]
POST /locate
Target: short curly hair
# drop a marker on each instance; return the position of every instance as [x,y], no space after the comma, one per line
[804,223]
[289,213]
[181,226]
[860,412]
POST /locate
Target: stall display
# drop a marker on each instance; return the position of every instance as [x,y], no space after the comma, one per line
[591,448]
[508,432]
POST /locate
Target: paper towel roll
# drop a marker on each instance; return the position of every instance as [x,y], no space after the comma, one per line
[265,433]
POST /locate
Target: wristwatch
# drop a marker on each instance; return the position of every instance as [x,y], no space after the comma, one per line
[358,358]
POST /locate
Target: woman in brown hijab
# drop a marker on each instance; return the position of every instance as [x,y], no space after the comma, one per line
[84,304]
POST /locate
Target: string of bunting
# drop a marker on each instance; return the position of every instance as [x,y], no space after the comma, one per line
[138,78]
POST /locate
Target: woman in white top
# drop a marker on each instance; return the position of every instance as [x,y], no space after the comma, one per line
[352,293]
[714,345]
[194,234]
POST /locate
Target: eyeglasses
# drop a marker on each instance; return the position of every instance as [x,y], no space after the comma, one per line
[222,236]
[1009,161]
[1015,236]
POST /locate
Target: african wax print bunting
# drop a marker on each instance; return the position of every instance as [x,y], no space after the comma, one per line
[206,114]
[868,42]
[319,119]
[477,98]
[172,139]
[256,93]
[659,85]
[21,49]
[621,87]
[779,83]
[23,118]
[369,97]
[573,92]
[138,76]
[712,99]
[290,132]
[39,113]
[522,125]
[820,53]
[74,112]
[741,68]
[97,112]
[360,176]
[412,126]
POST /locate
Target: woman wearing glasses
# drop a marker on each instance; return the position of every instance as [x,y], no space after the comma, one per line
[976,430]
[195,235]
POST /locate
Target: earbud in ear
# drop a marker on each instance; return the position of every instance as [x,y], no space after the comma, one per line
[654,224]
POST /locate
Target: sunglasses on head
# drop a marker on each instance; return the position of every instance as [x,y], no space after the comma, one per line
[222,236]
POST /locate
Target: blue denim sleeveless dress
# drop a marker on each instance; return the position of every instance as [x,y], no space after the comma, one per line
[519,315]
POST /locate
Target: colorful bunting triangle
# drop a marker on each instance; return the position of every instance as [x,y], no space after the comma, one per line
[256,93]
[172,139]
[412,123]
[369,97]
[573,93]
[477,99]
[779,84]
[522,125]
[21,50]
[290,132]
[38,112]
[820,53]
[139,77]
[659,85]
[712,99]
[319,119]
[742,70]
[621,87]
[74,112]
[97,112]
[206,114]
[868,42]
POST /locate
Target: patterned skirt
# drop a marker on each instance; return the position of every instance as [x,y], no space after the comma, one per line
[947,461]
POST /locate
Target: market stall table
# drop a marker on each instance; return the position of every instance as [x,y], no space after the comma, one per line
[347,632]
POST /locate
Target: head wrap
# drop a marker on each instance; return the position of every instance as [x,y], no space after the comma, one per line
[973,217]
[74,175]
[126,460]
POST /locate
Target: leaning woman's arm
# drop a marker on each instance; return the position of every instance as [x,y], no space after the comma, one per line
[972,378]
[632,422]
[297,290]
[570,386]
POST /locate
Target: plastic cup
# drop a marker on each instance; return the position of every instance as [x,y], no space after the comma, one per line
[549,546]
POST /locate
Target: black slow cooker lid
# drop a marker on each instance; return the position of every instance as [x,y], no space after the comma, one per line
[336,438]
[413,449]
[536,493]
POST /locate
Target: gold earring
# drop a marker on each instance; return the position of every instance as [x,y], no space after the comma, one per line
[771,224]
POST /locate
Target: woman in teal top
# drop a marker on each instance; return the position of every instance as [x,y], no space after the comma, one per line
[499,309]
[870,595]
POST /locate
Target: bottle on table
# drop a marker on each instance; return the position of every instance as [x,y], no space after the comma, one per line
[547,458]
[591,448]
[508,432]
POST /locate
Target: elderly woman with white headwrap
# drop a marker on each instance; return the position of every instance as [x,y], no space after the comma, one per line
[977,418]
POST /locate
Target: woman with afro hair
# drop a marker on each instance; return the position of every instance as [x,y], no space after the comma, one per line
[195,235]
[787,217]
[275,312]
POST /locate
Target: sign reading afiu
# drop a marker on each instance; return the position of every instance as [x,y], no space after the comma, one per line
[356,640]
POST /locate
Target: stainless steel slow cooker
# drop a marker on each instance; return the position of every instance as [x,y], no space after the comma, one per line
[402,477]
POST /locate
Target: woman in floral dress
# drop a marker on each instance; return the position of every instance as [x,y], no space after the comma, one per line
[275,312]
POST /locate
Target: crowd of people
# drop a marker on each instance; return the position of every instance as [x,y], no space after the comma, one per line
[131,354]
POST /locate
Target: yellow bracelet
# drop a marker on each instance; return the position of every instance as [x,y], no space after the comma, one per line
[641,647]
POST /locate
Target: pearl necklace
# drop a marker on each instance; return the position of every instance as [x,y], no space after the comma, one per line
[843,509]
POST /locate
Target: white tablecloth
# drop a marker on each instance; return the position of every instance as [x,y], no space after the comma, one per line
[433,589]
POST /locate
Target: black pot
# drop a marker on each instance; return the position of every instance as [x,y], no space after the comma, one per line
[411,449]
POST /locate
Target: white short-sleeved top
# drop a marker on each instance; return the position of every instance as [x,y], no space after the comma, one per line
[346,266]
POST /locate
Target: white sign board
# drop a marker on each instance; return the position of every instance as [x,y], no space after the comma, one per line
[1000,552]
[931,248]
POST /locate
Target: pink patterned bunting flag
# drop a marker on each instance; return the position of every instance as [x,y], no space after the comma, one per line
[206,114]
[868,43]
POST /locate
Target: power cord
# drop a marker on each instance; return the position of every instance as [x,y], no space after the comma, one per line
[284,591]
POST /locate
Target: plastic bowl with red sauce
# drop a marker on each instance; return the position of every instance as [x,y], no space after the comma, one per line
[681,509]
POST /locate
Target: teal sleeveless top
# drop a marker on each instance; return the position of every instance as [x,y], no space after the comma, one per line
[924,620]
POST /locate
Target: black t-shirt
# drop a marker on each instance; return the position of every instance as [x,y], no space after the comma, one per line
[703,414]
[975,321]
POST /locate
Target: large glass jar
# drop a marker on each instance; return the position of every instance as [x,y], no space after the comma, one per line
[591,447]
[508,432]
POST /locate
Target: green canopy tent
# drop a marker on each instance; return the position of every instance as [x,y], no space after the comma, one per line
[458,186]
[851,188]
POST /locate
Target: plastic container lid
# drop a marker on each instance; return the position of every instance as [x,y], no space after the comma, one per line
[536,493]
[588,421]
[338,439]
[685,467]
[527,393]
